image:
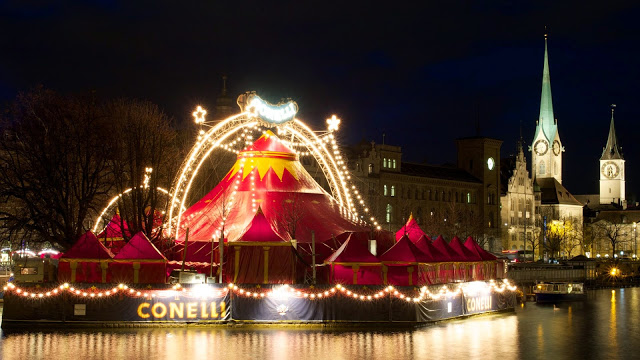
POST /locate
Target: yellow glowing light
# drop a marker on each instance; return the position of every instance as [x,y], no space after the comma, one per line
[199,114]
[333,123]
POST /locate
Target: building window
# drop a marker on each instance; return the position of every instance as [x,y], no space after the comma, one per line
[542,168]
[394,163]
[555,168]
[468,198]
[430,194]
[393,190]
[384,163]
[389,213]
[385,189]
[370,168]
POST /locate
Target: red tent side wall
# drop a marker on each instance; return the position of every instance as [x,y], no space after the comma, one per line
[364,274]
[84,271]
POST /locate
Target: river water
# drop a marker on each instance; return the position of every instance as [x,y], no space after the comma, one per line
[605,326]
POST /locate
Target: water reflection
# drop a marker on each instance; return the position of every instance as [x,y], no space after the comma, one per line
[601,327]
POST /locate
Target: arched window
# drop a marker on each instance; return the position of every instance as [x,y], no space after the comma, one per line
[430,194]
[394,163]
[370,168]
[393,190]
[555,168]
[384,163]
[385,189]
[389,213]
[542,168]
[468,198]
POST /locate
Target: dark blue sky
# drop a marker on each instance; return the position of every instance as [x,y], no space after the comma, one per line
[423,74]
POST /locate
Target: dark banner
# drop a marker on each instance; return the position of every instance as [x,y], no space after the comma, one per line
[271,303]
[480,303]
[157,305]
[440,309]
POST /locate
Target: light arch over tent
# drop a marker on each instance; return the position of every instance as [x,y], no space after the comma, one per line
[257,114]
[110,204]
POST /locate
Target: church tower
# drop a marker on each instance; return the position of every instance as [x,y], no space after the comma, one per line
[612,183]
[546,147]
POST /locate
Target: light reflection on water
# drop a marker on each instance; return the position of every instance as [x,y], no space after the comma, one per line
[604,326]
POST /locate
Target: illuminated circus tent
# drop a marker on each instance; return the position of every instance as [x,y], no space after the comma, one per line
[268,182]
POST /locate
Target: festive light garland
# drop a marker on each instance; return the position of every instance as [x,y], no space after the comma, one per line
[322,147]
[284,291]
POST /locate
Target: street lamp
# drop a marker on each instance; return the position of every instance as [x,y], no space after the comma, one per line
[635,243]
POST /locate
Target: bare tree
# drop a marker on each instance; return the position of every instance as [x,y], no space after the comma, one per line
[613,230]
[145,158]
[55,151]
[562,236]
[287,219]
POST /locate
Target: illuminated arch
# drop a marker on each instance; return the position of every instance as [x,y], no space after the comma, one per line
[324,149]
[113,200]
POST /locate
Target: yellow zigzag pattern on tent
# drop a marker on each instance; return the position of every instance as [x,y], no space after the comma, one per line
[264,164]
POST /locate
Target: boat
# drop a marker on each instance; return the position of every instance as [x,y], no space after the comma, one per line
[548,292]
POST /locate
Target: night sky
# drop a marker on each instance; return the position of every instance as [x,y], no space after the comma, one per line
[422,74]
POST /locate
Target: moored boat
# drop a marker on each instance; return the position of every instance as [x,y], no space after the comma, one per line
[559,291]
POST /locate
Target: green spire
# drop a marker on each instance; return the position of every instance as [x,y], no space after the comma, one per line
[612,150]
[546,121]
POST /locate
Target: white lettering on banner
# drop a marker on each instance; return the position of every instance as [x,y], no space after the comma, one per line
[276,114]
[479,303]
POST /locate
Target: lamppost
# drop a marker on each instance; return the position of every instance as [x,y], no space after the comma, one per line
[635,243]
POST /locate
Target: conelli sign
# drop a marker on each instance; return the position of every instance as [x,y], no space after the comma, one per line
[271,113]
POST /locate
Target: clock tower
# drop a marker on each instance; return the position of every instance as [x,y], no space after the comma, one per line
[546,147]
[612,182]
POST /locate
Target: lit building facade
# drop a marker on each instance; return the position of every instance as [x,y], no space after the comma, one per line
[520,205]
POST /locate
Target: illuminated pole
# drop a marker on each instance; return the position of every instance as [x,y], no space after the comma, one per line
[635,242]
[221,250]
[313,255]
[184,252]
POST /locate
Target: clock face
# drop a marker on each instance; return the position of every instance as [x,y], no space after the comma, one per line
[491,163]
[541,147]
[610,170]
[556,147]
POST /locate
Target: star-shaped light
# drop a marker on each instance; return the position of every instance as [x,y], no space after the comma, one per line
[333,123]
[199,114]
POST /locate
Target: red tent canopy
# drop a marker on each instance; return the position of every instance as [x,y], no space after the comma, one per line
[352,251]
[87,247]
[139,261]
[473,246]
[411,229]
[269,175]
[114,230]
[352,263]
[444,248]
[405,251]
[139,247]
[260,230]
[425,245]
[86,261]
[457,245]
[260,255]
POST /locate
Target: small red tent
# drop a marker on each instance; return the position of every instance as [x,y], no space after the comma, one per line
[260,255]
[87,261]
[471,269]
[469,255]
[352,263]
[139,261]
[439,272]
[401,263]
[473,246]
[411,229]
[490,268]
[114,234]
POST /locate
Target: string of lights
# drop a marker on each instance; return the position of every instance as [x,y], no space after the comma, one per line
[284,291]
